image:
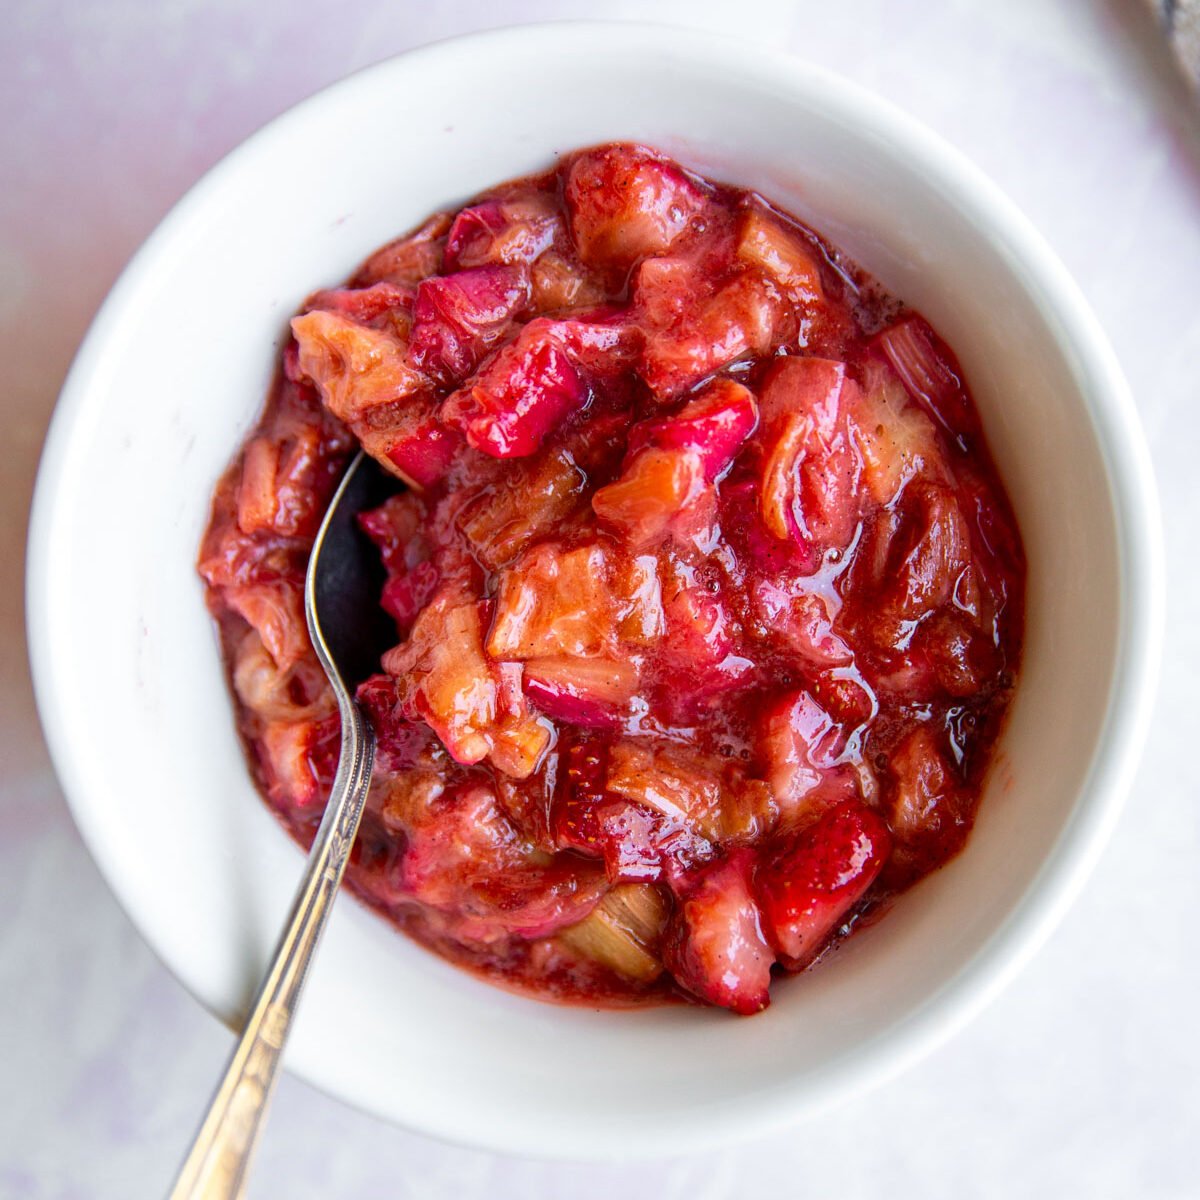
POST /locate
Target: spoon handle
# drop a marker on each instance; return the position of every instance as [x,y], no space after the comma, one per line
[217,1163]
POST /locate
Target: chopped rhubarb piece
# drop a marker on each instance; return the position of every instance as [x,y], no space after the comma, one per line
[463,849]
[559,283]
[931,374]
[532,500]
[810,473]
[298,691]
[658,491]
[747,316]
[458,318]
[300,758]
[894,437]
[713,425]
[766,242]
[514,229]
[715,946]
[276,612]
[355,368]
[927,810]
[398,741]
[410,259]
[623,931]
[553,603]
[416,446]
[257,499]
[800,742]
[444,679]
[626,202]
[801,620]
[700,656]
[366,306]
[590,692]
[811,883]
[476,710]
[927,555]
[519,395]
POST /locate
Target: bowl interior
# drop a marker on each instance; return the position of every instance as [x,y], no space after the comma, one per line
[173,374]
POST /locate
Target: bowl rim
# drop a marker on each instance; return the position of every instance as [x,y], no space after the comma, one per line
[1129,476]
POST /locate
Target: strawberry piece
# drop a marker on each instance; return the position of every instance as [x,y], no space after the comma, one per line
[458,318]
[626,202]
[713,426]
[810,884]
[715,945]
[519,395]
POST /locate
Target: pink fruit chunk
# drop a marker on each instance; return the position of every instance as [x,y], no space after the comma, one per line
[814,879]
[365,305]
[300,758]
[766,242]
[512,229]
[810,474]
[713,426]
[444,678]
[926,806]
[931,374]
[398,741]
[418,446]
[626,202]
[355,368]
[590,692]
[519,395]
[700,656]
[927,555]
[746,316]
[407,260]
[801,620]
[801,745]
[464,859]
[715,945]
[555,603]
[531,500]
[457,318]
[660,490]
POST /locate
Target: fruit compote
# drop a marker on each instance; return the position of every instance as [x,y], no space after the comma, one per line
[707,597]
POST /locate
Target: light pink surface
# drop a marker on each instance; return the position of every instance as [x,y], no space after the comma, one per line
[1081,1080]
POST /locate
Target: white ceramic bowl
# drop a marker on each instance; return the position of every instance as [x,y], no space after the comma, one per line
[169,379]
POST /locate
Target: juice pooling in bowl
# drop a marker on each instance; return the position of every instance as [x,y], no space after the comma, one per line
[708,598]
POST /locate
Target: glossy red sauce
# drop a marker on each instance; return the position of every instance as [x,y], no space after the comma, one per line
[708,598]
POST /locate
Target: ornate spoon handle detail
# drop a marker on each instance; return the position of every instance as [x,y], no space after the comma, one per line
[217,1164]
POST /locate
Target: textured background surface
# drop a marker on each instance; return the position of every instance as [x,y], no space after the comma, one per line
[1082,1080]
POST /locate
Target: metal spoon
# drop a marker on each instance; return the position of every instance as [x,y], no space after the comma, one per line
[348,632]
